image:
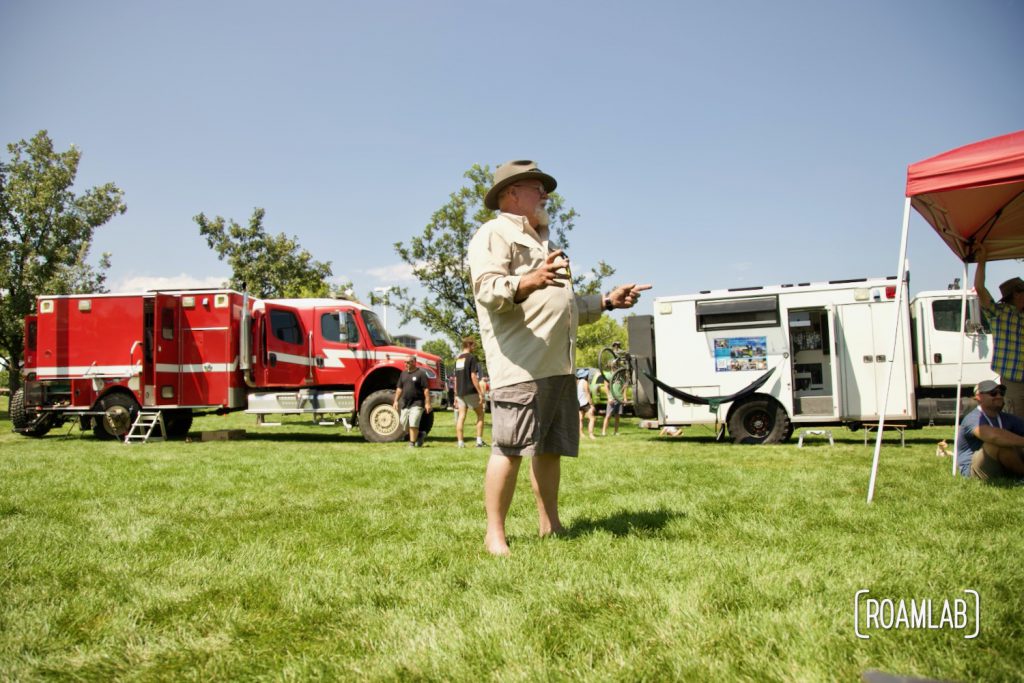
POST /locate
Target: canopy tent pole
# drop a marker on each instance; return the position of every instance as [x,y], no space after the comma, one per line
[900,293]
[960,377]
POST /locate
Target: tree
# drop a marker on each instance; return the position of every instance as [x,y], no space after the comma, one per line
[268,266]
[439,347]
[590,339]
[46,231]
[439,261]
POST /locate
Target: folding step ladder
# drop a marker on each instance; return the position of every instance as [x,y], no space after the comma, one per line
[146,422]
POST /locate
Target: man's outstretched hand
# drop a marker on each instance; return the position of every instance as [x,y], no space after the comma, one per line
[626,296]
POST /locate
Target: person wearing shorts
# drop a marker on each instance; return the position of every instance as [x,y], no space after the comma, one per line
[585,400]
[412,398]
[615,403]
[991,443]
[468,392]
[528,316]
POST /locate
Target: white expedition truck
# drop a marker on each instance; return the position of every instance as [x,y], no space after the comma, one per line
[764,360]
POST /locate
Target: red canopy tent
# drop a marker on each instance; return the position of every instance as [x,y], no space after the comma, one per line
[970,195]
[974,194]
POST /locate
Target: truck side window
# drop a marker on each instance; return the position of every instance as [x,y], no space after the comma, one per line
[378,334]
[167,323]
[735,313]
[339,327]
[946,314]
[30,335]
[285,326]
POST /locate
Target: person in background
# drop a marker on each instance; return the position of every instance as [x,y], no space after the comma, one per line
[615,402]
[991,441]
[468,392]
[413,395]
[585,400]
[528,316]
[1006,318]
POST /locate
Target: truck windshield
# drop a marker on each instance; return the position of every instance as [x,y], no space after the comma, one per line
[378,334]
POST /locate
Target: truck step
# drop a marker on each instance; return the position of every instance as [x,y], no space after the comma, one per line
[146,423]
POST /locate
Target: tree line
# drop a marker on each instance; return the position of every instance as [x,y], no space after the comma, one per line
[46,233]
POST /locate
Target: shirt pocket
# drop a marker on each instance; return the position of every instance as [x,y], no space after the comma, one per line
[513,417]
[526,256]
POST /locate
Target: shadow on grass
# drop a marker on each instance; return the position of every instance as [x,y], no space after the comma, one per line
[329,437]
[1005,483]
[298,437]
[4,415]
[625,523]
[853,440]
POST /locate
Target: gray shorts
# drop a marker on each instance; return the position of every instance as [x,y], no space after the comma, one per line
[471,401]
[410,417]
[986,466]
[536,418]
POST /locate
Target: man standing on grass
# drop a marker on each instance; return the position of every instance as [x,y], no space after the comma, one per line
[991,441]
[615,403]
[1007,320]
[528,318]
[413,395]
[468,392]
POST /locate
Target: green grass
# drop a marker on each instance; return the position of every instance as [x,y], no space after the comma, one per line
[305,553]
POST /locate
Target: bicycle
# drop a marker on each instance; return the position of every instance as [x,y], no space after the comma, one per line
[619,363]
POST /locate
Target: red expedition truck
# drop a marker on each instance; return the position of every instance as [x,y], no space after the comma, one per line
[103,358]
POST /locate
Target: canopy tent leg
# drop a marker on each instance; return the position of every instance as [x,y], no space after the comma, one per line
[960,377]
[901,269]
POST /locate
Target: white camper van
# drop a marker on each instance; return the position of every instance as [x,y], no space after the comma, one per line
[764,360]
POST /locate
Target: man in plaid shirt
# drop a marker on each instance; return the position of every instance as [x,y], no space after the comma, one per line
[1006,318]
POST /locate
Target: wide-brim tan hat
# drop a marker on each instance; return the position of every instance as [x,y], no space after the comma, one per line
[1011,287]
[512,172]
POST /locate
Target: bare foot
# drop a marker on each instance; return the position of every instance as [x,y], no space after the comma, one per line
[496,546]
[554,531]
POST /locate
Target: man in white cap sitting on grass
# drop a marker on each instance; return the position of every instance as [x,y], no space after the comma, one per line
[991,441]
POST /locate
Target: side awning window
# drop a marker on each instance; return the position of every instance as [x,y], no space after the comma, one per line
[762,311]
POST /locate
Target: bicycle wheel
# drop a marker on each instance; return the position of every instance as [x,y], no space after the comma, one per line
[624,379]
[606,360]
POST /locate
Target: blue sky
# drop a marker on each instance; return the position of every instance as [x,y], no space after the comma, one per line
[705,145]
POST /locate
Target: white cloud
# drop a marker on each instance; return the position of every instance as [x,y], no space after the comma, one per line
[398,272]
[142,283]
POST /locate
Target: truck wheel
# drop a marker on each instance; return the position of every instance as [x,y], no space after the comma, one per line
[22,420]
[177,422]
[119,412]
[378,419]
[759,420]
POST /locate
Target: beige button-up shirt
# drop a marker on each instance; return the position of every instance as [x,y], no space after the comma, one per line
[535,338]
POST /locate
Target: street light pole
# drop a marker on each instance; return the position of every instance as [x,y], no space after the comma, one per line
[384,303]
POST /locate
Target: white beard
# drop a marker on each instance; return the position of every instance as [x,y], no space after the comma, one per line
[541,219]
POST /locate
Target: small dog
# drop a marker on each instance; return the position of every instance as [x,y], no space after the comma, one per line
[942,450]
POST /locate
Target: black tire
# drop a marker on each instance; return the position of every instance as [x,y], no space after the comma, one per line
[378,420]
[759,420]
[177,423]
[120,410]
[23,420]
[426,422]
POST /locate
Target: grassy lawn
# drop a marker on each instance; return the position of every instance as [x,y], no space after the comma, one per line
[304,553]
